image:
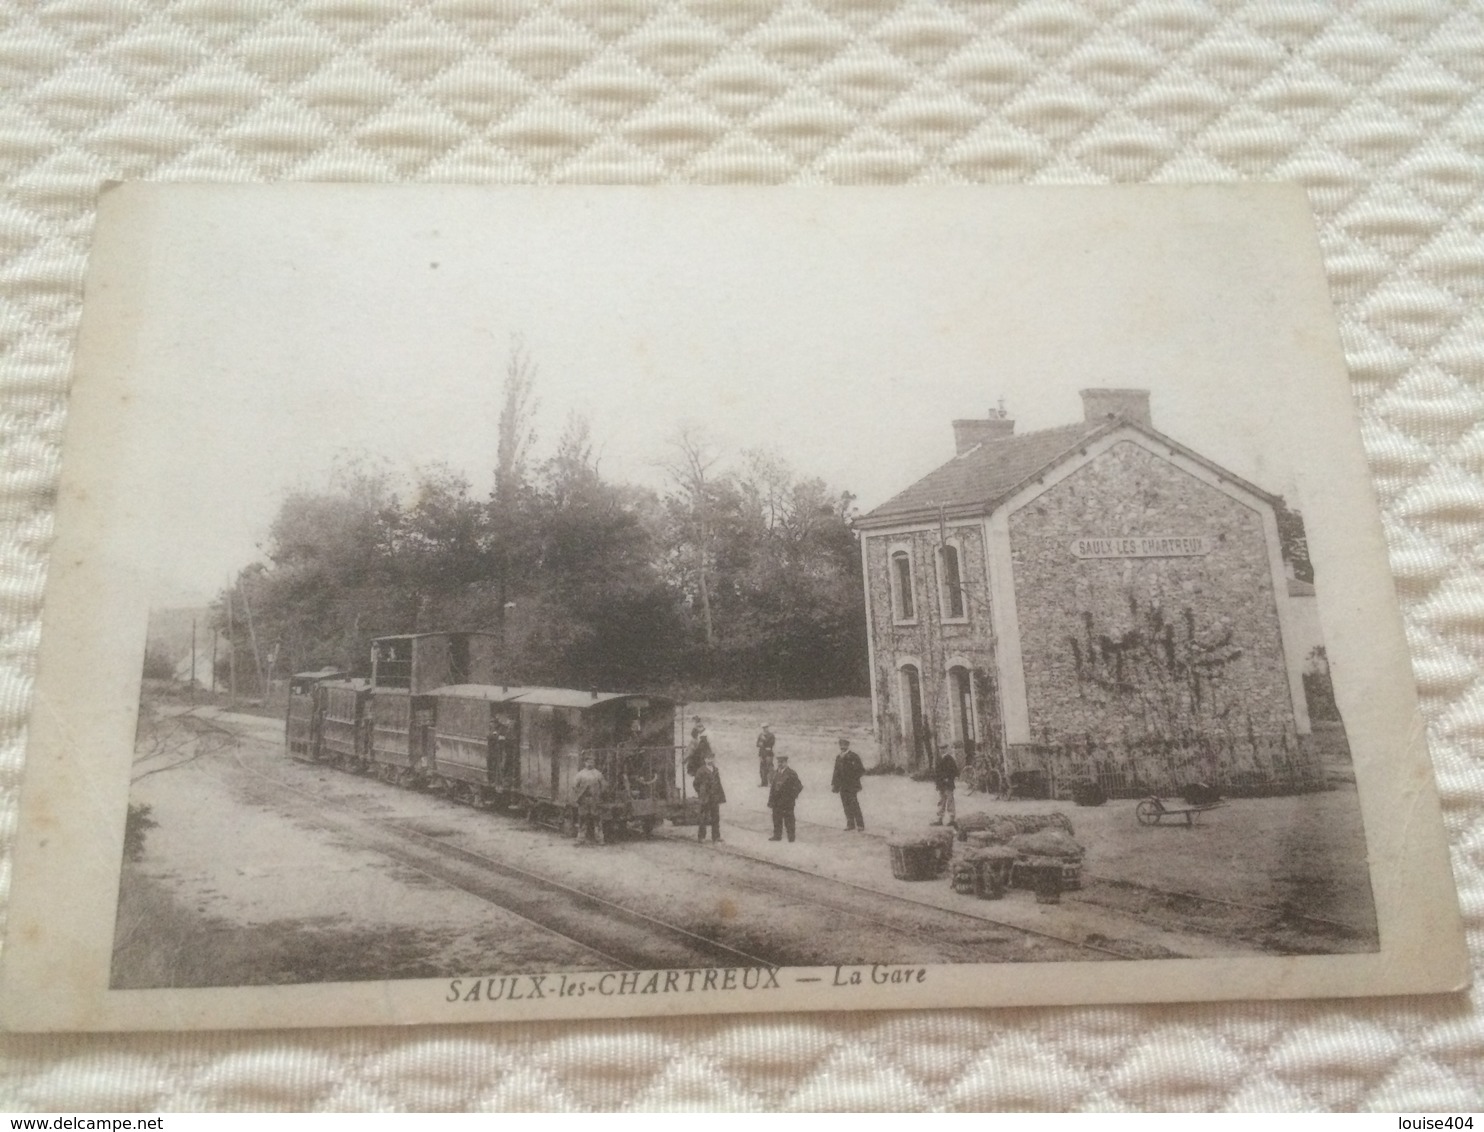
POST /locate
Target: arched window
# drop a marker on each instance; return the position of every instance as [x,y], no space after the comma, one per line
[903,604]
[951,583]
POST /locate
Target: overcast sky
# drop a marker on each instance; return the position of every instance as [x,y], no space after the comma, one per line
[278,329]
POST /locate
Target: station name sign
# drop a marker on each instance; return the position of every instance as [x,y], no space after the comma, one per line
[1142,546]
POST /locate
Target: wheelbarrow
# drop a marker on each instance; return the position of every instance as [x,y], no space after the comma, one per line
[1153,810]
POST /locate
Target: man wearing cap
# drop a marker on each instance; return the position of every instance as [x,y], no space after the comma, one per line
[587,792]
[765,743]
[700,747]
[783,792]
[710,794]
[847,783]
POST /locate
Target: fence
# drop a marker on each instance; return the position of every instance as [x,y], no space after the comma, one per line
[1248,765]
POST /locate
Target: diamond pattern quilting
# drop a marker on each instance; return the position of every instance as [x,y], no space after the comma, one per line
[1377,108]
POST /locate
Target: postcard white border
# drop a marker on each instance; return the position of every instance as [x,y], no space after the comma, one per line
[69,843]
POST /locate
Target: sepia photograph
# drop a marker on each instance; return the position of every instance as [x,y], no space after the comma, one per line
[478,604]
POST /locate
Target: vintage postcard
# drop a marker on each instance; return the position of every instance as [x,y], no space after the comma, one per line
[489,604]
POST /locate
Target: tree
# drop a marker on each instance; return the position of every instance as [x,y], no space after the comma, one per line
[689,467]
[438,550]
[517,432]
[781,571]
[327,584]
[506,535]
[732,583]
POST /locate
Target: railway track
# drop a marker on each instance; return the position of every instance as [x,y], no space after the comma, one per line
[952,936]
[1226,919]
[619,936]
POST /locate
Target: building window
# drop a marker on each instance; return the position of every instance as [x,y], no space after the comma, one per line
[916,735]
[961,695]
[951,583]
[903,603]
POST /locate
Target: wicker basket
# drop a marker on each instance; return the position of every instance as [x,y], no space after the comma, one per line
[992,865]
[915,859]
[942,840]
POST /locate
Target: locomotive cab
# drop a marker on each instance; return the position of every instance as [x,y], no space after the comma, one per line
[523,745]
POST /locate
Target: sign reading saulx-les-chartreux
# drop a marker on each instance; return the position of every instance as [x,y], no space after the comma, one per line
[1142,546]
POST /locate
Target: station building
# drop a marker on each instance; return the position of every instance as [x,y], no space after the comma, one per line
[1092,601]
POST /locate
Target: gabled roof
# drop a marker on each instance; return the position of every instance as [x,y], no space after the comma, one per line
[985,476]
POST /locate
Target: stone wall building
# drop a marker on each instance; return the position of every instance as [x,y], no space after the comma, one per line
[1094,601]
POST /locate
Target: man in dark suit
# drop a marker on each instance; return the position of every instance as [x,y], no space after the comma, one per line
[782,795]
[765,742]
[847,783]
[710,794]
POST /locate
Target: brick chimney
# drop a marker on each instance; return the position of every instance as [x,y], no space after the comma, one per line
[972,433]
[1099,405]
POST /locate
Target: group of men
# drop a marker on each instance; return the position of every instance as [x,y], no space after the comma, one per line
[781,781]
[775,775]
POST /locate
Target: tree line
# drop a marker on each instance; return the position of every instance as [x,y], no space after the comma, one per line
[738,579]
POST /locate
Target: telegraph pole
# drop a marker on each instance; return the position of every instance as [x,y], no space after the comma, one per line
[231,654]
[257,657]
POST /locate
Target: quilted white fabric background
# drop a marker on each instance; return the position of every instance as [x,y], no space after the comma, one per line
[1377,107]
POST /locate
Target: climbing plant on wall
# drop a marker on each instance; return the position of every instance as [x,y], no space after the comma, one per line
[1167,675]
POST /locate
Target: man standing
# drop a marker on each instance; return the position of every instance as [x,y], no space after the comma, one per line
[503,753]
[847,783]
[587,792]
[710,794]
[700,747]
[765,742]
[783,792]
[945,777]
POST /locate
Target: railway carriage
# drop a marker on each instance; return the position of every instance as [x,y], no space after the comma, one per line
[431,715]
[343,707]
[301,734]
[405,672]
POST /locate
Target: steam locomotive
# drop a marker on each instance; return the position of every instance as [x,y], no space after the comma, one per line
[433,717]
